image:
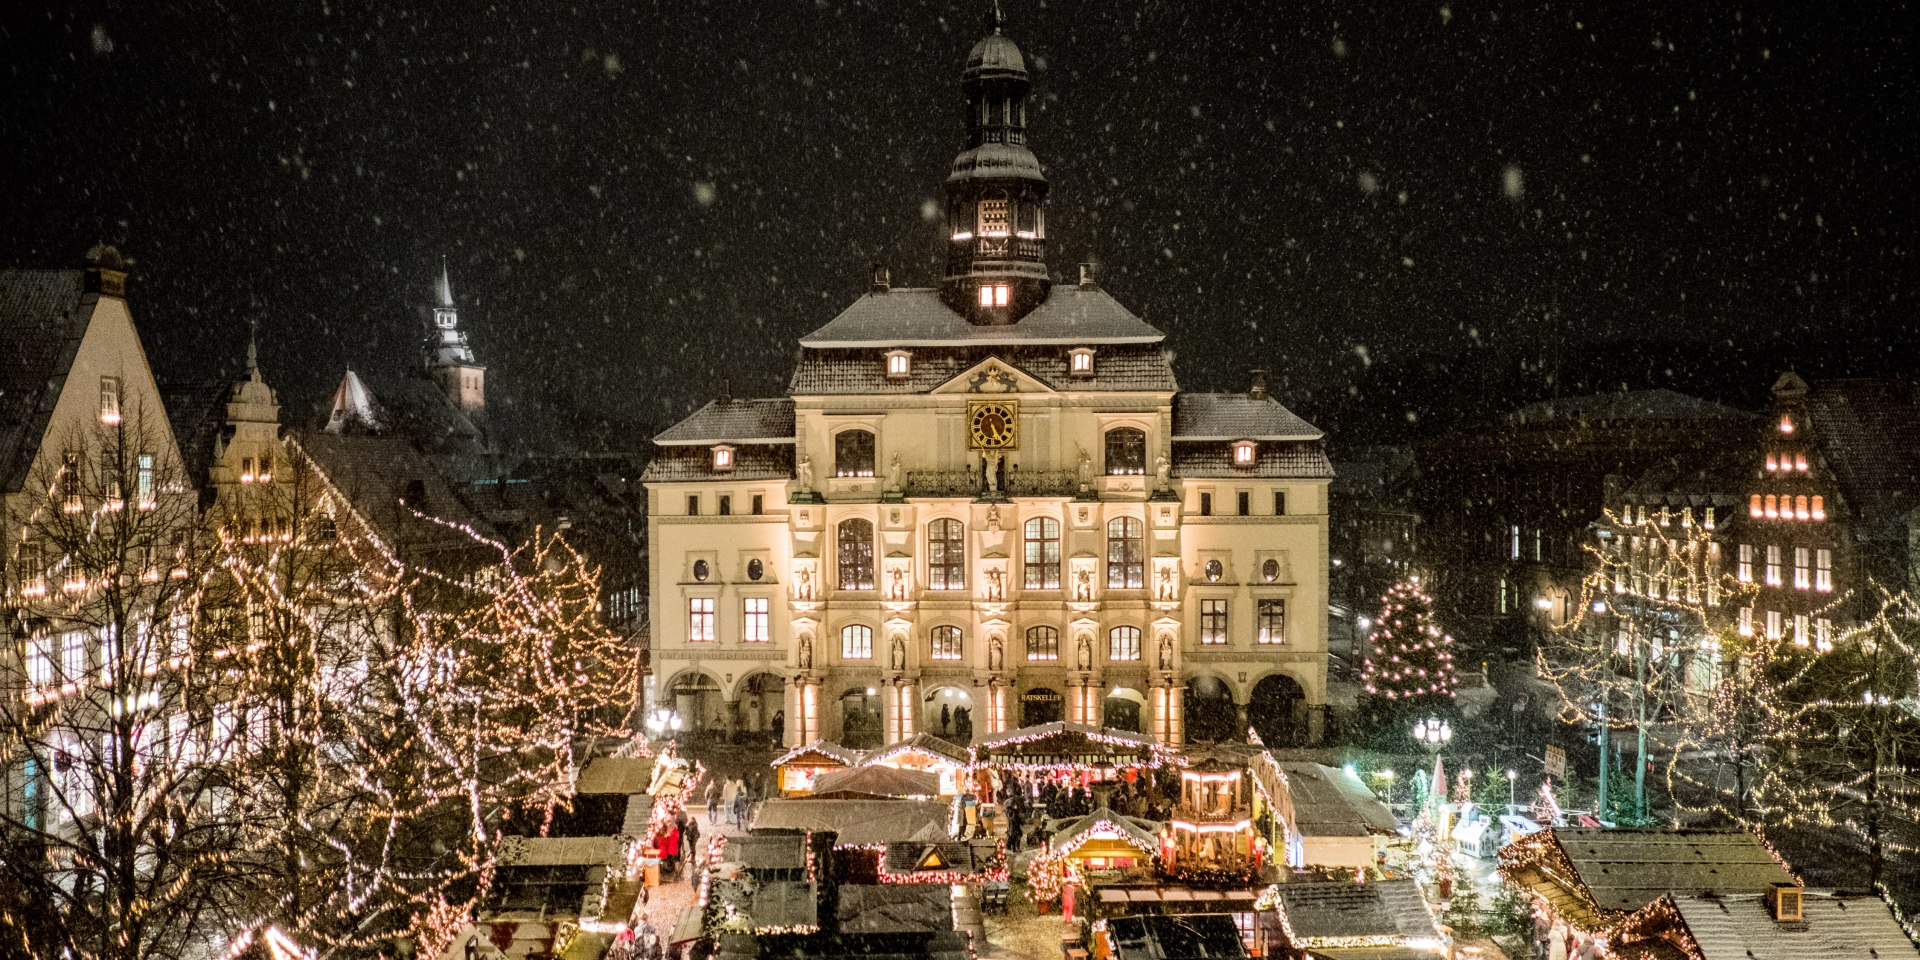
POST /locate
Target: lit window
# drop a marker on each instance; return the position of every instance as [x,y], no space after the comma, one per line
[1800,511]
[1800,462]
[1773,462]
[700,620]
[856,554]
[1819,507]
[1213,621]
[1823,570]
[1786,424]
[109,400]
[1513,537]
[1126,554]
[1080,362]
[1244,452]
[1801,631]
[755,629]
[1773,564]
[1123,643]
[1042,554]
[1743,570]
[1823,633]
[1753,506]
[993,218]
[993,294]
[1773,507]
[853,454]
[722,458]
[1126,449]
[899,364]
[1746,621]
[1710,519]
[856,642]
[946,556]
[945,643]
[1773,624]
[1043,643]
[1272,622]
[40,655]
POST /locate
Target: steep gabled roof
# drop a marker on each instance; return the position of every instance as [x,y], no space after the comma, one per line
[1116,368]
[1869,431]
[43,316]
[733,421]
[916,317]
[386,479]
[1595,878]
[1236,416]
[1835,927]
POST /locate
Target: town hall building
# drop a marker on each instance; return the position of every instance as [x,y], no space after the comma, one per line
[987,504]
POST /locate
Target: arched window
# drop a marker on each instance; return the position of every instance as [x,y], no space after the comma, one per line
[946,643]
[853,453]
[1126,555]
[856,554]
[1043,643]
[946,556]
[1123,643]
[856,642]
[1043,554]
[1126,452]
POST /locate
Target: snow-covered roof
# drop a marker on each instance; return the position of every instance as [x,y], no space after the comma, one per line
[1236,416]
[916,316]
[1300,461]
[818,749]
[1325,913]
[877,781]
[1069,834]
[1329,802]
[1835,927]
[1116,367]
[858,823]
[996,161]
[733,421]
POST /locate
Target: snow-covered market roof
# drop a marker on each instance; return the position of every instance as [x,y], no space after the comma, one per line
[1329,802]
[859,823]
[818,753]
[1343,913]
[1062,743]
[1594,878]
[923,743]
[1834,927]
[1103,824]
[876,781]
[917,317]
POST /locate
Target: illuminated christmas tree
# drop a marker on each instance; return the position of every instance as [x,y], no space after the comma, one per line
[1409,658]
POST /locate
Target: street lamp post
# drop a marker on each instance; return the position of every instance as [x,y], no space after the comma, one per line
[1510,778]
[663,723]
[1387,775]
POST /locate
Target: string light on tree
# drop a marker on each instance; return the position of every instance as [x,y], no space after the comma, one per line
[1409,658]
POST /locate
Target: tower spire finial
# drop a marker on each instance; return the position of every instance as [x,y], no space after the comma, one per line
[445,288]
[253,348]
[998,18]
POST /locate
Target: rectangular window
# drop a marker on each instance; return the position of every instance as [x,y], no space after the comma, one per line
[946,556]
[1802,568]
[759,504]
[856,643]
[1743,570]
[693,504]
[1539,544]
[726,505]
[73,656]
[246,469]
[1126,554]
[700,620]
[993,218]
[1513,542]
[1123,643]
[1823,570]
[1213,621]
[1206,504]
[1279,503]
[1746,621]
[40,654]
[1273,621]
[1802,630]
[1042,554]
[754,630]
[1823,633]
[143,481]
[33,570]
[945,643]
[1773,624]
[110,400]
[1043,643]
[1246,503]
[1773,564]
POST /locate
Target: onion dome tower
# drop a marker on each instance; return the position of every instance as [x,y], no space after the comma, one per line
[996,194]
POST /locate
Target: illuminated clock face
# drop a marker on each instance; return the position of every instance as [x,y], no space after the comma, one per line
[993,425]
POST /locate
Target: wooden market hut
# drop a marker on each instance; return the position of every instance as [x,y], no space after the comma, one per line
[1211,830]
[876,783]
[796,769]
[1778,925]
[1343,920]
[1323,817]
[1105,841]
[926,753]
[1061,746]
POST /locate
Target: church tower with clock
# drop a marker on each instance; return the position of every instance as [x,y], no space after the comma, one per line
[987,504]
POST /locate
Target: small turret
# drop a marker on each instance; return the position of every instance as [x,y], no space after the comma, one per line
[449,359]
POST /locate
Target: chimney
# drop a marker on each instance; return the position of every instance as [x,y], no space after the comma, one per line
[106,271]
[1784,903]
[726,391]
[882,279]
[1258,390]
[1086,277]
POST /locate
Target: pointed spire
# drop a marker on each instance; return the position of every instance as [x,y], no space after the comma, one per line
[253,349]
[997,19]
[444,289]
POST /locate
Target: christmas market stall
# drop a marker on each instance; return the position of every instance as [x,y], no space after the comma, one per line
[876,783]
[573,897]
[1105,844]
[1324,816]
[1210,834]
[796,769]
[1344,920]
[1586,883]
[1075,752]
[1785,923]
[926,753]
[1112,905]
[861,823]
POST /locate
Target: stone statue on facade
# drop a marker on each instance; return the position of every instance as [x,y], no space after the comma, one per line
[1166,584]
[1086,471]
[1162,470]
[1083,585]
[993,518]
[897,590]
[894,474]
[1086,651]
[803,584]
[897,656]
[996,653]
[996,588]
[805,657]
[1166,652]
[803,473]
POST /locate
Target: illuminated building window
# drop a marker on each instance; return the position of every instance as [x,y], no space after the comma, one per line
[1123,643]
[1802,632]
[1786,424]
[1823,570]
[946,556]
[1513,539]
[40,654]
[1126,449]
[1245,453]
[722,458]
[1043,643]
[856,642]
[110,400]
[1753,506]
[853,453]
[1080,362]
[1746,621]
[1800,511]
[1126,554]
[755,626]
[1823,633]
[1773,507]
[1213,621]
[855,543]
[1802,576]
[1800,462]
[143,481]
[1773,462]
[1710,519]
[1042,554]
[700,620]
[1773,624]
[993,218]
[899,364]
[1272,622]
[993,294]
[1819,507]
[944,643]
[1773,564]
[1743,569]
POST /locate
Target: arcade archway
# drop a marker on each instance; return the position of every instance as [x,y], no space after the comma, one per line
[861,726]
[1277,711]
[949,713]
[1210,713]
[1042,705]
[1123,709]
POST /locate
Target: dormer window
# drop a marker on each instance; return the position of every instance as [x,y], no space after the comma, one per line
[722,458]
[993,294]
[1244,453]
[899,364]
[1080,362]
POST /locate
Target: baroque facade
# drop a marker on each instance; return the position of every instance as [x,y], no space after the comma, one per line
[988,504]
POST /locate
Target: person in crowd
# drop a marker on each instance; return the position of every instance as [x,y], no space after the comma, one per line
[713,795]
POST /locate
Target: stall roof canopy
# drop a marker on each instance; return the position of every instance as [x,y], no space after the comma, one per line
[769,850]
[1203,937]
[628,775]
[1322,913]
[1739,928]
[859,822]
[925,743]
[1069,834]
[895,908]
[960,856]
[819,753]
[1061,742]
[1329,802]
[875,782]
[1593,878]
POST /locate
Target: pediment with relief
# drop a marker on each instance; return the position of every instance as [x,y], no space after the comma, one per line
[992,376]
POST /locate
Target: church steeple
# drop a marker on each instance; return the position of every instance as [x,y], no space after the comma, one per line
[449,358]
[996,194]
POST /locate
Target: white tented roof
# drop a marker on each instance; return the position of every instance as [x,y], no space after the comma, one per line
[916,317]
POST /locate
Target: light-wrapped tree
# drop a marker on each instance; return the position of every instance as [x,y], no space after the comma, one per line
[1409,661]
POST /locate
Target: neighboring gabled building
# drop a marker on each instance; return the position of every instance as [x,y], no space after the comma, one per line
[989,499]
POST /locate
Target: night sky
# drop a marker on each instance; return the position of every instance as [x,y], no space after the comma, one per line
[1412,213]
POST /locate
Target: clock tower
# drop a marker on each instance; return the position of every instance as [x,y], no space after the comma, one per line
[996,222]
